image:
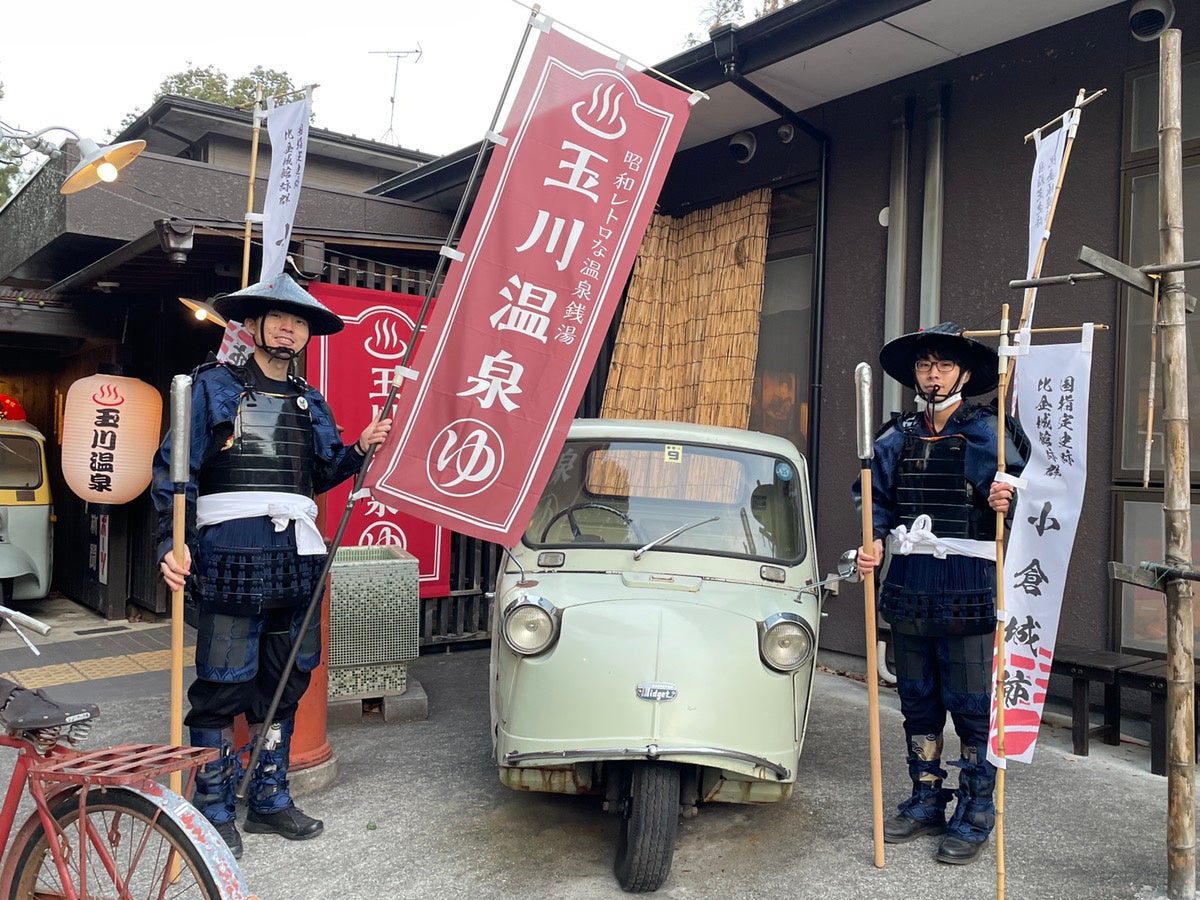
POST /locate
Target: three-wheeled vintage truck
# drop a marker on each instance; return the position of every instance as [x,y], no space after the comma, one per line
[26,514]
[656,629]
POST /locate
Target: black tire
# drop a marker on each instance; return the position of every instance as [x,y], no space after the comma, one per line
[124,820]
[649,821]
[7,587]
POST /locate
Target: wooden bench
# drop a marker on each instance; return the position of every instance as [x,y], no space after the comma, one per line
[1083,666]
[1151,675]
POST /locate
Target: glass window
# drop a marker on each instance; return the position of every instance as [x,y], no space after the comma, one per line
[20,463]
[1136,331]
[1143,611]
[1144,91]
[719,501]
[779,404]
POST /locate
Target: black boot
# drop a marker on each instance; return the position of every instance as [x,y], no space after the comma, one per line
[975,814]
[925,811]
[216,783]
[271,808]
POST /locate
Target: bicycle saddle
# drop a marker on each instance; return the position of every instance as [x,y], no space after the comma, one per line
[25,710]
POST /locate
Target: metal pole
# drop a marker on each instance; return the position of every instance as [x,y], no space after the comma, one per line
[1181,766]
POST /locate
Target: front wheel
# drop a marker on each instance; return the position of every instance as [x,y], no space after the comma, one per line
[649,821]
[152,858]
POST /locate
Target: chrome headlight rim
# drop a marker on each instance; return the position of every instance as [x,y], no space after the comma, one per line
[526,601]
[785,619]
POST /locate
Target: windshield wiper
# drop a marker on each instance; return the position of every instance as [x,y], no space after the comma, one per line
[671,535]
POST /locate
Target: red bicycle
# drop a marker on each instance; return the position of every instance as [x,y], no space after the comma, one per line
[103,826]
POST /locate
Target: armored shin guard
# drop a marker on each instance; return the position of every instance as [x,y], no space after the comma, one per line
[924,812]
[929,798]
[269,784]
[975,814]
[216,781]
[271,808]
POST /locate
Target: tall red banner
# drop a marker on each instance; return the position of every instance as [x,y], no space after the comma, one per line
[354,370]
[546,252]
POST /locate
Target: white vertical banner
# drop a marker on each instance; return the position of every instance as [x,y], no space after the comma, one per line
[288,130]
[1053,410]
[1047,169]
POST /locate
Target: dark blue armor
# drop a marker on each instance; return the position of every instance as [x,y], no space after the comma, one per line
[942,611]
[250,433]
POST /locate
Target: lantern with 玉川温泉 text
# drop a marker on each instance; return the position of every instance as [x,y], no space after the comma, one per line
[110,433]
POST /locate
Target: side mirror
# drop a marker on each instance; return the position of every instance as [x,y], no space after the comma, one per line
[848,566]
[847,570]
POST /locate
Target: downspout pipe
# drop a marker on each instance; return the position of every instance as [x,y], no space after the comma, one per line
[725,46]
[897,250]
[932,226]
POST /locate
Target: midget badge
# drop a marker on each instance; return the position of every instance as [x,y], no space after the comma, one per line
[656,691]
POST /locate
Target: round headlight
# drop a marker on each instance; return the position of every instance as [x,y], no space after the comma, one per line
[787,642]
[529,625]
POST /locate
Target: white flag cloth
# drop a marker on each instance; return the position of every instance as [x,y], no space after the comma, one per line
[288,129]
[1046,170]
[1053,407]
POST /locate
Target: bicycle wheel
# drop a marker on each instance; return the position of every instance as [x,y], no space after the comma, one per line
[144,851]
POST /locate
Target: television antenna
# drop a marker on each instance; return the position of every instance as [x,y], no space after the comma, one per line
[389,136]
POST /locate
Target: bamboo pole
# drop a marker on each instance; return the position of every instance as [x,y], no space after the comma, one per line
[1181,766]
[998,686]
[1150,388]
[257,113]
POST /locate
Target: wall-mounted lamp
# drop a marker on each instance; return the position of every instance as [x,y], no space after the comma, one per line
[742,146]
[202,311]
[1150,18]
[96,163]
[175,237]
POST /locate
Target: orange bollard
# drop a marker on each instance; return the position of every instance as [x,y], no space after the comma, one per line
[310,746]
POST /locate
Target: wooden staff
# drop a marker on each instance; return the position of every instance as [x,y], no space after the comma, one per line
[181,432]
[998,685]
[866,451]
[258,99]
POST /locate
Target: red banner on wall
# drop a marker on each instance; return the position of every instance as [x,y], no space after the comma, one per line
[546,251]
[353,369]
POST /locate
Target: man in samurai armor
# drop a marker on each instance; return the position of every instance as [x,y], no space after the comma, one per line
[263,444]
[935,496]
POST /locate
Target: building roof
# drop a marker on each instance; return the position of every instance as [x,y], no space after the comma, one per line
[807,53]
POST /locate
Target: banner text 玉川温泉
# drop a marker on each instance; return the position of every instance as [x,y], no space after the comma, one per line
[550,241]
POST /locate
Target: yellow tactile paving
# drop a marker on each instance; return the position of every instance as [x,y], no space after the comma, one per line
[157,660]
[103,667]
[47,676]
[108,667]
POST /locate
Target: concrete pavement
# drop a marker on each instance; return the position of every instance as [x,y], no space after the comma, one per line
[416,809]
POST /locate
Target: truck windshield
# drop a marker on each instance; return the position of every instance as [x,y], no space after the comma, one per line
[725,501]
[20,463]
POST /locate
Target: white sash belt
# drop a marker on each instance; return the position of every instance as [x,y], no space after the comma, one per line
[921,539]
[282,508]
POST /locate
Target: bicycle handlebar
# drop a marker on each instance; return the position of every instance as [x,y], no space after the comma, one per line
[19,618]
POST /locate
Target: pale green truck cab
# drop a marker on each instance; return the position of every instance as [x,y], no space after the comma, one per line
[656,629]
[26,514]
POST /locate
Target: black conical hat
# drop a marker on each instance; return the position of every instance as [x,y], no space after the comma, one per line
[899,356]
[278,292]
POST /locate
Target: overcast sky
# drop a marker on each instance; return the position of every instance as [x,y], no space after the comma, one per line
[85,65]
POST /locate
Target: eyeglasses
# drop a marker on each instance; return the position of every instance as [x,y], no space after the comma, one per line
[945,366]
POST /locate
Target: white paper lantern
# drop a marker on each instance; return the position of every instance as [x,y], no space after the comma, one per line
[111,429]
